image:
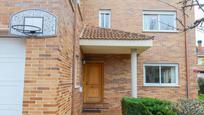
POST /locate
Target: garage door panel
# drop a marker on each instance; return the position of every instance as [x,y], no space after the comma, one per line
[11,60]
[10,109]
[12,65]
[11,83]
[11,100]
[12,46]
[11,93]
[10,70]
[6,112]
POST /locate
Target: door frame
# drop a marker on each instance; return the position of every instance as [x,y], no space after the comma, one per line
[102,80]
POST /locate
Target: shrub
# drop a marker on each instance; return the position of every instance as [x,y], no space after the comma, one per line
[201,85]
[146,106]
[189,107]
[201,97]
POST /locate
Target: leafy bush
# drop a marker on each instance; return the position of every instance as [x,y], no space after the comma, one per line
[146,106]
[201,85]
[189,107]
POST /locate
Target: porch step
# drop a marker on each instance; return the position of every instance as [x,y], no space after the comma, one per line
[99,107]
[95,110]
[96,106]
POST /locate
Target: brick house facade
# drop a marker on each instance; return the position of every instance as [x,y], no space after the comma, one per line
[168,47]
[55,67]
[49,61]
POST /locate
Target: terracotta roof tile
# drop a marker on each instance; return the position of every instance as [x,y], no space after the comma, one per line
[91,32]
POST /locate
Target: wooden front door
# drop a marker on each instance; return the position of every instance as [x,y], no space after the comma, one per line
[93,77]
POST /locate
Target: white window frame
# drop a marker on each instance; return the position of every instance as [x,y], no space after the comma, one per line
[161,84]
[104,11]
[160,13]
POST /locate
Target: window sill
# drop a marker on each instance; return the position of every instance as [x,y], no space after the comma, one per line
[159,85]
[199,64]
[104,27]
[159,31]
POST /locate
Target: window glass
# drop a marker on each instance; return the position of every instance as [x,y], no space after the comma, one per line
[150,22]
[167,22]
[168,74]
[107,18]
[102,20]
[159,21]
[152,74]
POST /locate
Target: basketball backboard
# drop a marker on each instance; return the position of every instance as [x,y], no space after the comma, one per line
[33,22]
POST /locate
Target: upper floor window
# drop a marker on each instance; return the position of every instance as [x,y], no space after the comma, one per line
[200,61]
[105,18]
[160,74]
[159,21]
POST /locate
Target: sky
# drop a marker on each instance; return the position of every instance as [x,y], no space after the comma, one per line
[199,14]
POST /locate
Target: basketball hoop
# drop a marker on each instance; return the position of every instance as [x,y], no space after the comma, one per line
[36,23]
[28,30]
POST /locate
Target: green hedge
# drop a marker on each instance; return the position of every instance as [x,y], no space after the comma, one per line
[146,106]
[201,85]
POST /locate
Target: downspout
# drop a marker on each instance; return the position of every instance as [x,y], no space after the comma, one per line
[186,54]
[74,56]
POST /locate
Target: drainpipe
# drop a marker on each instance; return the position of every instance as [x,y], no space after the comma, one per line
[186,55]
[74,55]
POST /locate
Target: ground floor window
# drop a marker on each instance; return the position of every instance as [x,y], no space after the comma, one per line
[160,74]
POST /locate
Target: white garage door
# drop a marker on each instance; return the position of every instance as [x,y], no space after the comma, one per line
[12,63]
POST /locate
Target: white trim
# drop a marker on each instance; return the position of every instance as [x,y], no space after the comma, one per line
[159,13]
[161,31]
[161,84]
[200,55]
[105,11]
[129,43]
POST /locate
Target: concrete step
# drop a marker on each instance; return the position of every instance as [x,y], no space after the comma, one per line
[94,110]
[96,106]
